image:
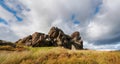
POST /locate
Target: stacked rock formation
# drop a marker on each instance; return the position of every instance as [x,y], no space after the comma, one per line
[55,37]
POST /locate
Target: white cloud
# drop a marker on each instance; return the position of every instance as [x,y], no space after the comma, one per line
[45,14]
[104,28]
[7,34]
[5,14]
[95,27]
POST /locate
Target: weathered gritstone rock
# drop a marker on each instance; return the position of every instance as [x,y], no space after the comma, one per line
[55,37]
[77,42]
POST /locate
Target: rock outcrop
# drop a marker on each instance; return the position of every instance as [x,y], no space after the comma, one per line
[55,37]
[6,43]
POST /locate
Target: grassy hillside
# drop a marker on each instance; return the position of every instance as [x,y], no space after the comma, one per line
[56,55]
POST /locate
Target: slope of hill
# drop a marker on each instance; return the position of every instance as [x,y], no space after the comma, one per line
[58,55]
[56,47]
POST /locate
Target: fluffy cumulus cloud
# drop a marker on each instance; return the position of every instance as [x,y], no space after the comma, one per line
[104,27]
[97,20]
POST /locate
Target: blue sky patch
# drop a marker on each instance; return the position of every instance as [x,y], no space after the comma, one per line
[76,22]
[97,9]
[3,21]
[7,8]
[19,18]
[73,17]
[14,12]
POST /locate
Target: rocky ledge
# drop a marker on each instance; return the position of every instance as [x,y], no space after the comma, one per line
[55,37]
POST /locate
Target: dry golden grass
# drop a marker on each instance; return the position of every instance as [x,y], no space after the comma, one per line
[7,48]
[57,55]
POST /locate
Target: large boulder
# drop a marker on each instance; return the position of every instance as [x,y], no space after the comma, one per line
[36,40]
[77,41]
[59,38]
[25,41]
[55,32]
[41,40]
[55,37]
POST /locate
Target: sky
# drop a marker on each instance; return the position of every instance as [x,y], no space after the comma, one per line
[97,20]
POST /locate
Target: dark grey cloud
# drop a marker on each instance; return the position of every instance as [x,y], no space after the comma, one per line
[111,41]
